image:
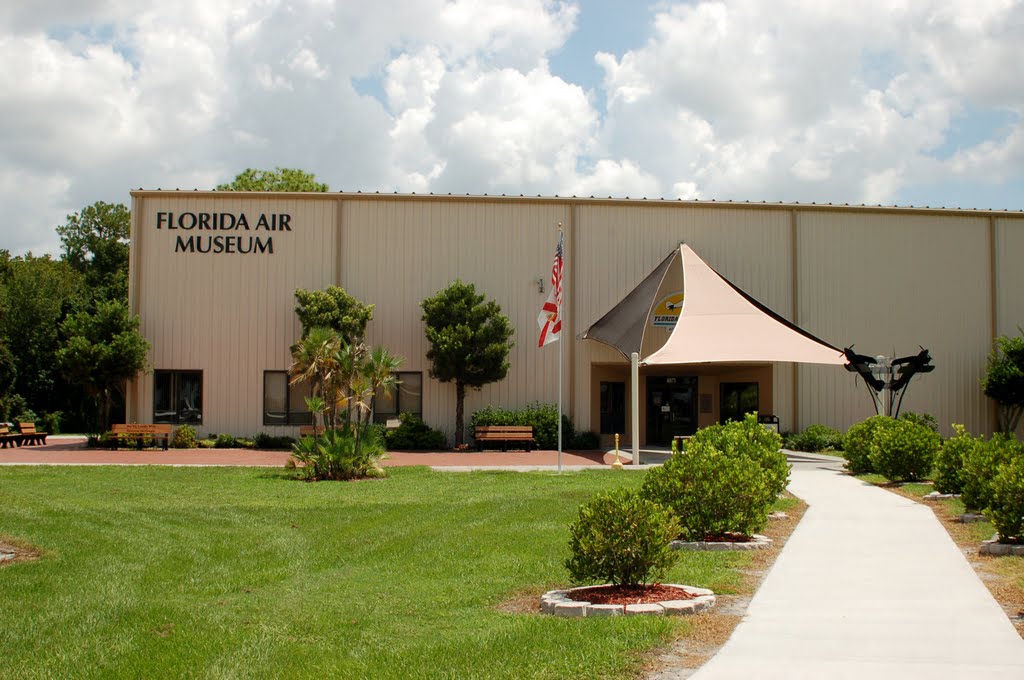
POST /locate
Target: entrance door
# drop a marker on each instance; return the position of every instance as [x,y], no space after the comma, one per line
[671,408]
[613,407]
[738,399]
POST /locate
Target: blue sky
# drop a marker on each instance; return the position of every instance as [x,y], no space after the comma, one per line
[871,102]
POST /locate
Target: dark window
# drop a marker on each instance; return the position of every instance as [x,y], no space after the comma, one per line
[613,407]
[285,404]
[178,397]
[407,397]
[738,399]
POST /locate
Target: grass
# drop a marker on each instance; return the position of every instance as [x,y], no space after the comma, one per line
[233,573]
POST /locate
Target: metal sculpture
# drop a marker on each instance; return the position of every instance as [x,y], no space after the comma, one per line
[887,378]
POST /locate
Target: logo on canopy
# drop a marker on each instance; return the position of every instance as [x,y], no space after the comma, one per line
[666,312]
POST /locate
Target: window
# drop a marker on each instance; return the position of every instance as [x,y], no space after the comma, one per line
[738,399]
[407,397]
[613,407]
[285,404]
[178,397]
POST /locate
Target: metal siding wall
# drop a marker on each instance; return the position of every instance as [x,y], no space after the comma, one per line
[229,315]
[501,248]
[1009,243]
[620,245]
[888,283]
[1009,277]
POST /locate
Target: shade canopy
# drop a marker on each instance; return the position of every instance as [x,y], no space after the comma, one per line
[718,323]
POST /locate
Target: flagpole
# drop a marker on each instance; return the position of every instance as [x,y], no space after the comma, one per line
[561,342]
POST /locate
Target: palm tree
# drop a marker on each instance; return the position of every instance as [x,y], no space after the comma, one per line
[348,360]
[380,369]
[314,361]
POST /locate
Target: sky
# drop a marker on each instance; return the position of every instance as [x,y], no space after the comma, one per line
[892,102]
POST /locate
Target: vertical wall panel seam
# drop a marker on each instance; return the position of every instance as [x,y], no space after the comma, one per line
[571,336]
[993,309]
[795,292]
[339,226]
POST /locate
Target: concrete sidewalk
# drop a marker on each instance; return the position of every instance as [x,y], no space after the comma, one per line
[868,586]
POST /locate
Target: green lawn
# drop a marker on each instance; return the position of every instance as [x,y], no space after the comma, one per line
[218,572]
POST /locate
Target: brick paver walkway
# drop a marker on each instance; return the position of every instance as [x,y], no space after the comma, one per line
[72,451]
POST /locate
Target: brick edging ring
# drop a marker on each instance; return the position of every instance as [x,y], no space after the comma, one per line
[561,603]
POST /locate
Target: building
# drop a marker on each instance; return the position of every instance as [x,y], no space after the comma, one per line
[213,276]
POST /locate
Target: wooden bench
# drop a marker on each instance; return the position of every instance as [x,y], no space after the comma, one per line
[138,432]
[519,436]
[30,435]
[8,438]
[309,430]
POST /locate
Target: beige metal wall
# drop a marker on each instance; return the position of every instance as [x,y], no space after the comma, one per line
[394,254]
[886,280]
[889,283]
[1009,280]
[228,315]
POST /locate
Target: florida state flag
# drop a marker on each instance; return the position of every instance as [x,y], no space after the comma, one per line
[550,318]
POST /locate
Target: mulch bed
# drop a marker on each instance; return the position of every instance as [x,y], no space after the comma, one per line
[727,537]
[656,592]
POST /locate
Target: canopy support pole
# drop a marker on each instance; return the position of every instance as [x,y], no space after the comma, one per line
[634,360]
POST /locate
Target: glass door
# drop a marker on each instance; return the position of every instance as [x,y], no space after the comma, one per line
[671,408]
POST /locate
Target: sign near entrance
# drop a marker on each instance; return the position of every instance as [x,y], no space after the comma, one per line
[666,312]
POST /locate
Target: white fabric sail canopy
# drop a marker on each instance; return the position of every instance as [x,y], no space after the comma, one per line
[721,323]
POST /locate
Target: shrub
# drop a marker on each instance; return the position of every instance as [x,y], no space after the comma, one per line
[950,460]
[712,492]
[1007,508]
[334,455]
[584,441]
[926,419]
[906,450]
[621,538]
[413,433]
[752,440]
[225,441]
[206,443]
[858,440]
[542,417]
[51,421]
[815,438]
[981,465]
[184,438]
[269,442]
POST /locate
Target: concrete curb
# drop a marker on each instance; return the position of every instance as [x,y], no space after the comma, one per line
[561,603]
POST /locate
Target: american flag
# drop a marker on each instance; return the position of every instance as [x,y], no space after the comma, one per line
[550,319]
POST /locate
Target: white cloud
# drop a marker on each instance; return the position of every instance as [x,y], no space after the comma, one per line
[789,100]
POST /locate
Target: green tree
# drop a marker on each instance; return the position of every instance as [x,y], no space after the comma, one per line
[35,296]
[95,242]
[1004,380]
[469,342]
[279,179]
[102,350]
[333,308]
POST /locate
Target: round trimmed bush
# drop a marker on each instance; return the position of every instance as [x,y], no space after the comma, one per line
[621,538]
[981,464]
[858,440]
[711,492]
[904,451]
[950,460]
[184,438]
[749,439]
[1007,508]
[815,438]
